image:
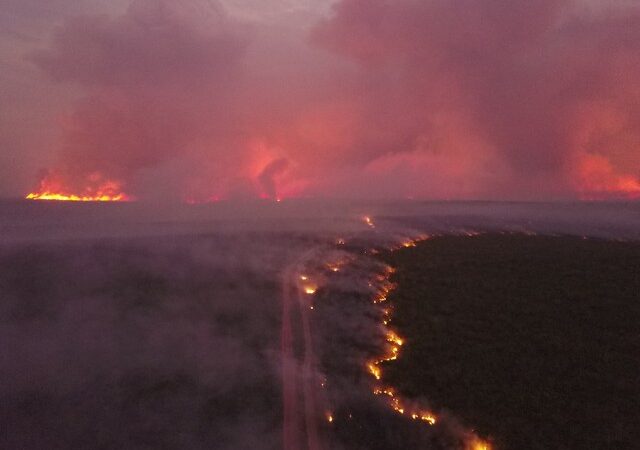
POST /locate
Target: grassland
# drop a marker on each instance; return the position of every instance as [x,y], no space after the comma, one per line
[533,341]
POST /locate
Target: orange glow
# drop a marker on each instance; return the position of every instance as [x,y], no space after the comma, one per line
[478,444]
[97,190]
[600,180]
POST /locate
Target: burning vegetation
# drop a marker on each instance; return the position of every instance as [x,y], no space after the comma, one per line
[96,188]
[391,351]
[379,287]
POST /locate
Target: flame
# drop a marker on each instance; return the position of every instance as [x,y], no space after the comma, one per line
[97,189]
[76,198]
[374,369]
[310,290]
[396,403]
[368,221]
[394,338]
[382,286]
[478,444]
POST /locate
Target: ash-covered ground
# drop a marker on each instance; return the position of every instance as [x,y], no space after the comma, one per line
[223,326]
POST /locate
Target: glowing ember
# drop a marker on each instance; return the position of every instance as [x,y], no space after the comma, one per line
[329,417]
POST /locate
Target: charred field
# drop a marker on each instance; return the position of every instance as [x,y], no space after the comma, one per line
[532,340]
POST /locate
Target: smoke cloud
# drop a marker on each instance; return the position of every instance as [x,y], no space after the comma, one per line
[203,100]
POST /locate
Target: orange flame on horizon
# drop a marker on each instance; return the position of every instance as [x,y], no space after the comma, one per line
[97,190]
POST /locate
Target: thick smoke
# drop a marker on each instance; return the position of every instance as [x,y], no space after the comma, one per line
[268,177]
[429,99]
[538,97]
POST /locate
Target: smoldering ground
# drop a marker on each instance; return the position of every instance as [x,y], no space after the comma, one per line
[148,331]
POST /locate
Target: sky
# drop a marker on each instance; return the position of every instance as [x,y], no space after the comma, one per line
[205,100]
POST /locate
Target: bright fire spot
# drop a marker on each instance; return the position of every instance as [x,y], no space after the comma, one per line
[310,290]
[340,241]
[98,190]
[329,417]
[479,444]
[77,198]
[374,370]
[368,221]
[429,418]
[304,277]
[394,338]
